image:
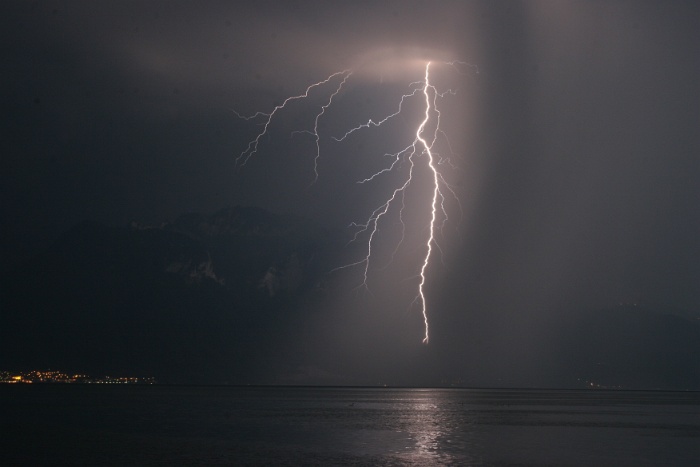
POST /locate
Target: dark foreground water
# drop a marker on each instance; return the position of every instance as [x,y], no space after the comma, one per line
[166,425]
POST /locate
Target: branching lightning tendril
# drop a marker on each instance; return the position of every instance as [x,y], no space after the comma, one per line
[421,147]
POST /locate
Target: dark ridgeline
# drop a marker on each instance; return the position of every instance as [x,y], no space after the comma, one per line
[201,299]
[226,298]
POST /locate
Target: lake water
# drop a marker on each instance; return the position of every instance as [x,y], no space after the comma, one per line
[165,425]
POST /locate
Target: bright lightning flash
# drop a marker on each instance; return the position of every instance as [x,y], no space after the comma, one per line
[421,148]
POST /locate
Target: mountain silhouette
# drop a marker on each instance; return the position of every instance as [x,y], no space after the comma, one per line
[227,298]
[179,301]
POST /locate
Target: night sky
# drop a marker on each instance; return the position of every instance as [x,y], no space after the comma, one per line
[575,136]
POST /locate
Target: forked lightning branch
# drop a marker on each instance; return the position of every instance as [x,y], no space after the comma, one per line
[418,153]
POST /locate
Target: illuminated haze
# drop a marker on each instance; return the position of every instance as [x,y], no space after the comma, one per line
[576,153]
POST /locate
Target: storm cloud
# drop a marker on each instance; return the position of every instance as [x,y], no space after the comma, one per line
[576,143]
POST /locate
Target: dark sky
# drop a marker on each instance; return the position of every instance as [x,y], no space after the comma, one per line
[577,142]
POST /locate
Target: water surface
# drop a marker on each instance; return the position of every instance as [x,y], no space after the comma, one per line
[147,425]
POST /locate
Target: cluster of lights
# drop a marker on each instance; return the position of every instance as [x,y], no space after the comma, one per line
[52,376]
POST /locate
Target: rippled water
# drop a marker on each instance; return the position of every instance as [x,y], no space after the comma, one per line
[346,426]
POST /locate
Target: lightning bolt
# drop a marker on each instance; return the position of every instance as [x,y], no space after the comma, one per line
[252,148]
[436,191]
[419,154]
